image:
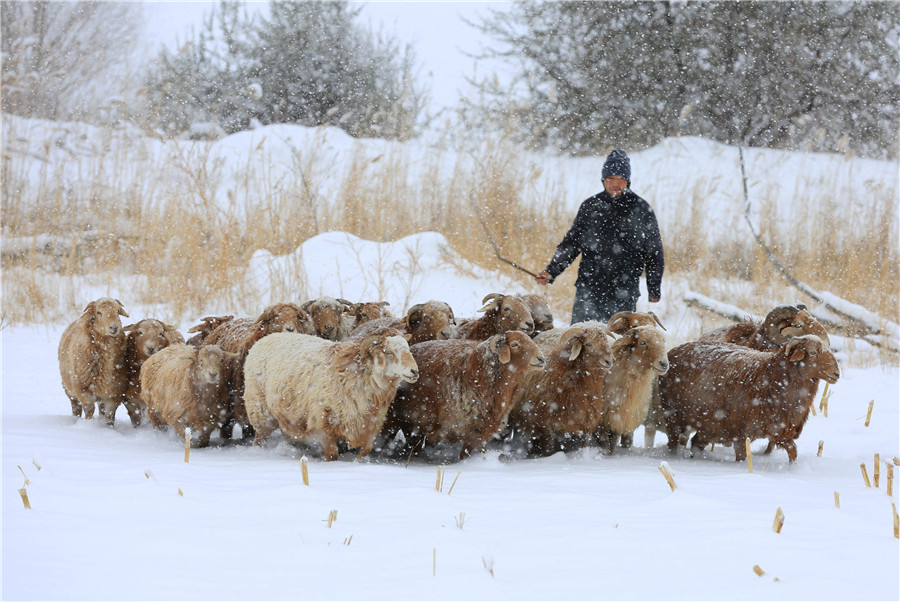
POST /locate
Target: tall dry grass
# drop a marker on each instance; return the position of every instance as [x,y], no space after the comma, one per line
[164,235]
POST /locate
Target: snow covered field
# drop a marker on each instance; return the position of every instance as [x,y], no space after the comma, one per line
[116,514]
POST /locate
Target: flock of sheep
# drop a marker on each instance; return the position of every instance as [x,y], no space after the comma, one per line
[350,376]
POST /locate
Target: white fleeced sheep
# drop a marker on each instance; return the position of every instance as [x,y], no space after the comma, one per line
[184,386]
[322,391]
[639,358]
[92,358]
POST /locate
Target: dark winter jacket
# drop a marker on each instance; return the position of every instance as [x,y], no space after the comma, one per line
[617,239]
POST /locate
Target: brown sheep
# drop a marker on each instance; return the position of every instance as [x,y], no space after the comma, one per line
[91,359]
[429,321]
[142,340]
[729,393]
[780,324]
[622,322]
[327,317]
[206,326]
[324,391]
[465,390]
[540,312]
[183,386]
[238,336]
[365,311]
[502,313]
[566,398]
[639,358]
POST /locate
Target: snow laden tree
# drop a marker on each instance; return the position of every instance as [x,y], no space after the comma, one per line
[67,60]
[308,63]
[796,75]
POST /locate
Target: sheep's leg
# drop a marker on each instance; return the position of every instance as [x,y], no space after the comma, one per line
[108,411]
[770,447]
[263,430]
[740,450]
[674,434]
[649,437]
[609,440]
[203,437]
[133,407]
[627,440]
[791,449]
[88,408]
[76,407]
[543,443]
[329,449]
[697,444]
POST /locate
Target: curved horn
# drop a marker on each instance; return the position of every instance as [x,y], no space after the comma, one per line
[655,317]
[571,333]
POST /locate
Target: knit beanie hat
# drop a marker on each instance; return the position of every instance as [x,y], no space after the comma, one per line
[617,164]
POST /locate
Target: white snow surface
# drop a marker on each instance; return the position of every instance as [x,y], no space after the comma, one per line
[117,514]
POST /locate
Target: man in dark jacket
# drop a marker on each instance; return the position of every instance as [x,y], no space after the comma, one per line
[618,238]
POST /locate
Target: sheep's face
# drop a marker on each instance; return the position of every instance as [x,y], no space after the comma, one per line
[516,349]
[284,317]
[591,345]
[540,312]
[513,314]
[644,346]
[148,336]
[431,321]
[366,312]
[814,358]
[103,314]
[326,315]
[211,364]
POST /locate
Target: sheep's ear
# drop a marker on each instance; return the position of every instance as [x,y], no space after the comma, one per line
[232,355]
[169,328]
[656,318]
[501,347]
[575,351]
[408,337]
[122,311]
[129,328]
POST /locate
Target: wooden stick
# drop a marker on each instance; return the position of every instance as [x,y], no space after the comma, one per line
[453,484]
[821,445]
[779,521]
[890,480]
[348,540]
[332,516]
[749,455]
[36,465]
[27,482]
[304,470]
[187,445]
[896,461]
[869,413]
[180,492]
[439,482]
[25,501]
[758,570]
[837,500]
[876,470]
[434,562]
[865,474]
[667,473]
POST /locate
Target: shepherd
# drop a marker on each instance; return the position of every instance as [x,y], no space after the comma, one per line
[617,236]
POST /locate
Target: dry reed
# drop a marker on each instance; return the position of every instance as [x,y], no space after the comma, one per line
[174,232]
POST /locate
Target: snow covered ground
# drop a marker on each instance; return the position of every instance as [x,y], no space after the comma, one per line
[116,514]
